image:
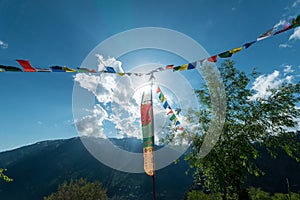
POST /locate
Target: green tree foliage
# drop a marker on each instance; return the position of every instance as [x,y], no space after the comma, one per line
[248,123]
[254,194]
[79,190]
[199,195]
[3,176]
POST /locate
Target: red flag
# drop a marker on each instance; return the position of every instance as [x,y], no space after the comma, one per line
[26,66]
[158,90]
[213,58]
[169,66]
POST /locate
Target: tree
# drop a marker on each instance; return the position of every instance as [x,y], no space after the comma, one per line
[249,123]
[79,190]
[3,176]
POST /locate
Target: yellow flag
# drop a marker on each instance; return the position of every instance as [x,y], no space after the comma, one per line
[68,69]
[235,50]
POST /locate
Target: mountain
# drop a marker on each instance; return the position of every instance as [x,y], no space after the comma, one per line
[38,169]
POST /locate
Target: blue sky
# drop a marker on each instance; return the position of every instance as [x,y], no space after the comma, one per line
[35,107]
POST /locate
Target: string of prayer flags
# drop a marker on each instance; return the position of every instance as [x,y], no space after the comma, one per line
[166,106]
[119,71]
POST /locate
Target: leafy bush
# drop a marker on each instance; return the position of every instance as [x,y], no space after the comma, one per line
[79,190]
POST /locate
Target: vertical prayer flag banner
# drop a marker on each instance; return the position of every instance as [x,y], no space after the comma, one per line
[148,131]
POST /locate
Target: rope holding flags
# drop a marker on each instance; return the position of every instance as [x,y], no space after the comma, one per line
[187,66]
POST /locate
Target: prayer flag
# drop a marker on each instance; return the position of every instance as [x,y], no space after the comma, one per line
[192,65]
[173,117]
[212,59]
[161,97]
[225,54]
[43,69]
[79,69]
[181,68]
[247,45]
[235,50]
[158,90]
[68,69]
[148,132]
[283,30]
[165,105]
[170,112]
[57,69]
[110,70]
[26,66]
[10,68]
[169,66]
[265,35]
[202,61]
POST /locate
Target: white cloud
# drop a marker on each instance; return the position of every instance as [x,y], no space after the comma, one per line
[280,23]
[109,62]
[3,45]
[295,3]
[285,45]
[117,113]
[109,88]
[92,125]
[265,82]
[295,35]
[288,69]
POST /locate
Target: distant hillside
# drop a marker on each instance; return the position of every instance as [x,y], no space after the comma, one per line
[38,169]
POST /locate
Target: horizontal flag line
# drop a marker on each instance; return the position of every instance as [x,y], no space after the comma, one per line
[187,66]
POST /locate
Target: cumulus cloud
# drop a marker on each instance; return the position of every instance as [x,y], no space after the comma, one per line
[285,45]
[115,92]
[280,23]
[288,69]
[117,104]
[109,62]
[265,82]
[92,125]
[295,3]
[295,35]
[3,45]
